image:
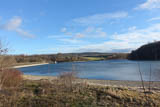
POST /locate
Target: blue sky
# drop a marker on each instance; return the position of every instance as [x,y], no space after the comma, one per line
[53,26]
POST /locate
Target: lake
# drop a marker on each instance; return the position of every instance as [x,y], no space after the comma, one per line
[103,70]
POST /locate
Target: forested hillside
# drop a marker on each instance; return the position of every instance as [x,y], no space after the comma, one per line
[149,51]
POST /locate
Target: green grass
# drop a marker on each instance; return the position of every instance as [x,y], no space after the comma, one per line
[93,58]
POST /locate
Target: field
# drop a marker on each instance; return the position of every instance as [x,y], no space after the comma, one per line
[93,58]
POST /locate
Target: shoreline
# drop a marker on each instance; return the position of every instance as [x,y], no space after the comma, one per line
[114,83]
[29,65]
[36,77]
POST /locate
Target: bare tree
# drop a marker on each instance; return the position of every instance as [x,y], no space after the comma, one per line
[5,60]
[8,77]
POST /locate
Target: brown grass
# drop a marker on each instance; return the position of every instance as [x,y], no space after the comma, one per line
[67,79]
[43,93]
[10,78]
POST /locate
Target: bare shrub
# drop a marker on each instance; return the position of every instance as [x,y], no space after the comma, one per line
[140,73]
[150,77]
[142,81]
[10,78]
[67,78]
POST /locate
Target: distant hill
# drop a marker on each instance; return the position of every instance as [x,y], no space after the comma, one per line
[68,57]
[149,51]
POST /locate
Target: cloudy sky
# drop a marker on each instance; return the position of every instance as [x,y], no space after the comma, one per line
[53,26]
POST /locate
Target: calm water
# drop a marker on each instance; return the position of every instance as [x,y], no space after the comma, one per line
[107,70]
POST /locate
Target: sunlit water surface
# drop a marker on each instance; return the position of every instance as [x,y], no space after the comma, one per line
[103,70]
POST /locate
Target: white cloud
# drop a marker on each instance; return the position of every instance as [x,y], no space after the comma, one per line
[79,35]
[64,38]
[122,42]
[73,41]
[126,41]
[57,36]
[91,32]
[64,29]
[100,32]
[118,42]
[154,18]
[14,24]
[89,29]
[132,28]
[99,18]
[24,33]
[54,36]
[108,46]
[140,36]
[149,4]
[58,49]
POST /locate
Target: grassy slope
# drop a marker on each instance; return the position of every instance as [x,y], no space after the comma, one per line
[43,93]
